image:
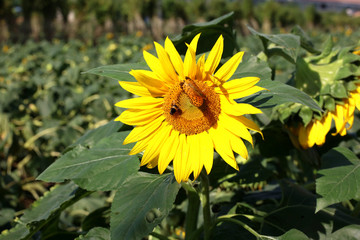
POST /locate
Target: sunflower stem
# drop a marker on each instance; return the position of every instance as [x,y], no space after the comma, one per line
[205,200]
[244,225]
[192,210]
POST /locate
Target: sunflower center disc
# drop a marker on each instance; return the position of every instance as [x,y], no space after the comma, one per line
[186,118]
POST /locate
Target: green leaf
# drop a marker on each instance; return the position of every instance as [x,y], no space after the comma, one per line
[288,45]
[97,233]
[307,79]
[20,231]
[43,208]
[93,136]
[338,90]
[293,234]
[340,178]
[53,202]
[6,215]
[252,66]
[279,93]
[210,32]
[103,167]
[350,232]
[140,204]
[306,115]
[304,40]
[118,72]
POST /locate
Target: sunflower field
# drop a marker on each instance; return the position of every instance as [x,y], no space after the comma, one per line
[207,135]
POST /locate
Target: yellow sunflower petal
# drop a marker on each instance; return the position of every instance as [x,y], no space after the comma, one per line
[222,145]
[140,146]
[174,57]
[143,131]
[338,116]
[141,103]
[154,147]
[214,57]
[166,63]
[151,81]
[237,85]
[194,42]
[135,88]
[200,74]
[250,124]
[234,125]
[190,63]
[190,58]
[246,92]
[168,151]
[303,137]
[179,163]
[206,151]
[326,121]
[228,69]
[194,155]
[238,146]
[139,117]
[155,65]
[237,109]
[153,163]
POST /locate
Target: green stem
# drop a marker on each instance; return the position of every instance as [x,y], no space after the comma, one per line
[205,200]
[233,220]
[192,210]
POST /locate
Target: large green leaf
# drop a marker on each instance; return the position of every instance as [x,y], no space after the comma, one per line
[140,204]
[287,45]
[340,178]
[103,167]
[279,93]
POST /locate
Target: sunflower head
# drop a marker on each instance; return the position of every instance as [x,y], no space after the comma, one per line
[186,109]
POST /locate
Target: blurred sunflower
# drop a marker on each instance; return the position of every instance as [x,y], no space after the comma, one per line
[343,115]
[186,109]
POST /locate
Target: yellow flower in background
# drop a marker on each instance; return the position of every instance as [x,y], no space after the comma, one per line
[186,109]
[344,113]
[315,132]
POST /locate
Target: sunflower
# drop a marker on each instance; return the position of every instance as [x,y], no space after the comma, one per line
[186,109]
